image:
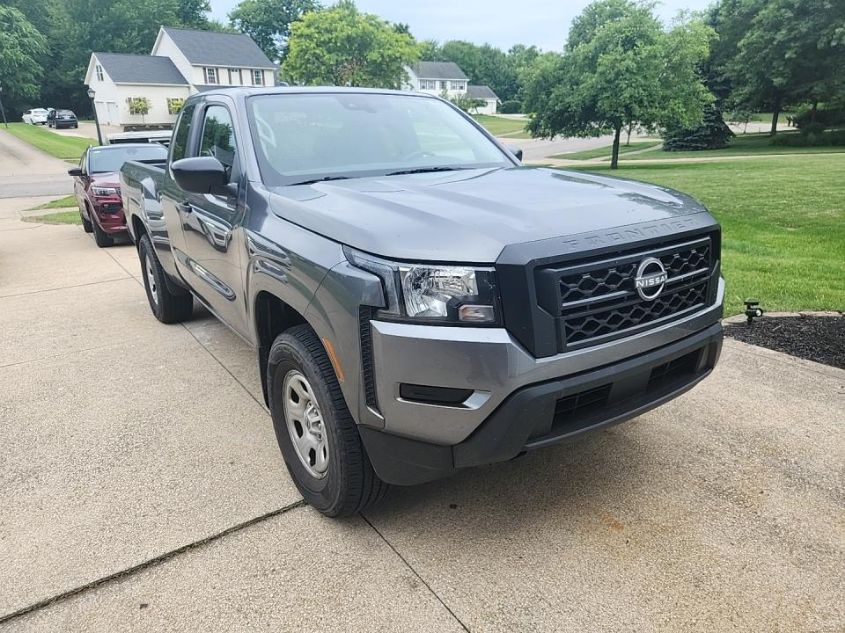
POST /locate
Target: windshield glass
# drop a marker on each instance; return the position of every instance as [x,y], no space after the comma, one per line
[112,158]
[302,137]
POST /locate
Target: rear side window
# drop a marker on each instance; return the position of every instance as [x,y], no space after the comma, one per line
[179,144]
[218,136]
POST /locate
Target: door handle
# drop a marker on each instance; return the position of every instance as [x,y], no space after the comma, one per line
[184,207]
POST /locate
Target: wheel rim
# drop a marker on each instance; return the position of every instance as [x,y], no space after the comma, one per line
[151,279]
[305,424]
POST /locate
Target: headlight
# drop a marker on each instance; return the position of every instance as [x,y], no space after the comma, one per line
[103,191]
[430,293]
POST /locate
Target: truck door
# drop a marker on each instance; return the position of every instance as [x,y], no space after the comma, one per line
[211,224]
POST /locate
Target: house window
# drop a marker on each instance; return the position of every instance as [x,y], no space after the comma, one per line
[444,85]
[458,85]
[99,70]
[428,84]
[210,75]
[257,77]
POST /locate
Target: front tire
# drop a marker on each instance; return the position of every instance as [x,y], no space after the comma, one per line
[86,224]
[167,306]
[100,237]
[315,431]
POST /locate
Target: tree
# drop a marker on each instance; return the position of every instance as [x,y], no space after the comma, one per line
[75,28]
[791,51]
[466,103]
[343,47]
[713,133]
[23,47]
[620,68]
[268,22]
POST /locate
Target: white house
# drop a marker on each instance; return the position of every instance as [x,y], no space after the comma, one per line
[181,63]
[447,79]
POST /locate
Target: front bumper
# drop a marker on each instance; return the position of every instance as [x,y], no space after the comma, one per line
[552,411]
[109,210]
[490,363]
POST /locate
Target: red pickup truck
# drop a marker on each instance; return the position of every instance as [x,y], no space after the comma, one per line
[97,186]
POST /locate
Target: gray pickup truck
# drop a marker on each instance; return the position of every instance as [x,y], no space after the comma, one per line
[419,301]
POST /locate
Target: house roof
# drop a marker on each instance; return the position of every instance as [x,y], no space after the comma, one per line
[481,92]
[210,48]
[438,70]
[140,69]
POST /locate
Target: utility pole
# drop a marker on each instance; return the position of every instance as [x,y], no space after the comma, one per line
[5,122]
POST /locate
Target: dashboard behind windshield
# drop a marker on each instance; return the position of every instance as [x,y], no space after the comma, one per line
[299,137]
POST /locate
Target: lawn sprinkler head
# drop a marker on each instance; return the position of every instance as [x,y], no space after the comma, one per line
[752,310]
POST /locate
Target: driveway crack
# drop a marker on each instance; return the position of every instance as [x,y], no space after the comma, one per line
[416,573]
[147,564]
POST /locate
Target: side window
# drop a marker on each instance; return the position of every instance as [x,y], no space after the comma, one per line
[179,143]
[218,136]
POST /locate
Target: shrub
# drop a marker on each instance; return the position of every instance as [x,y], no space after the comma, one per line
[812,138]
[174,105]
[713,133]
[138,105]
[826,116]
[510,107]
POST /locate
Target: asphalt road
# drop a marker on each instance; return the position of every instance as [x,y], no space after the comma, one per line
[26,171]
[141,489]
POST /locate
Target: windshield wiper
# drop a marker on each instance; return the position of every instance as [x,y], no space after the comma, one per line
[323,179]
[424,170]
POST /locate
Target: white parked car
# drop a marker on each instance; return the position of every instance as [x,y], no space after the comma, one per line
[36,116]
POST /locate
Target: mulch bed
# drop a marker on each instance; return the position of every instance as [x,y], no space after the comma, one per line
[820,339]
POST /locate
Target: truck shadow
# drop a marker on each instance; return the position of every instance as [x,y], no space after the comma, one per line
[600,471]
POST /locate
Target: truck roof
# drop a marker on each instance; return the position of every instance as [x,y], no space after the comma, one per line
[247,91]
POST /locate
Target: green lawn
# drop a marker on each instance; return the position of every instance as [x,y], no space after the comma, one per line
[64,147]
[742,145]
[61,203]
[500,126]
[607,150]
[62,217]
[783,223]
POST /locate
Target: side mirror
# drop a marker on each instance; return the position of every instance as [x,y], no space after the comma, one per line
[76,172]
[200,174]
[517,153]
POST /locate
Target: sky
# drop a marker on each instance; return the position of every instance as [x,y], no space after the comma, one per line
[543,23]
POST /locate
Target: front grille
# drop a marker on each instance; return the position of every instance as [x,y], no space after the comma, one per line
[597,300]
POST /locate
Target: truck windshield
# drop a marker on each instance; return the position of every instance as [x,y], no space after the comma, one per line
[306,137]
[112,158]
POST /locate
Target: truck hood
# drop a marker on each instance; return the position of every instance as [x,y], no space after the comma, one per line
[470,216]
[105,179]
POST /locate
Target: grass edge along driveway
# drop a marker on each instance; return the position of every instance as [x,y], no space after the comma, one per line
[783,224]
[64,147]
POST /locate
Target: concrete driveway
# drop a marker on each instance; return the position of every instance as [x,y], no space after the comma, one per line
[25,171]
[141,489]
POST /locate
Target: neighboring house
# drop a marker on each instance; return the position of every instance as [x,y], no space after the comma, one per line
[148,90]
[447,79]
[485,94]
